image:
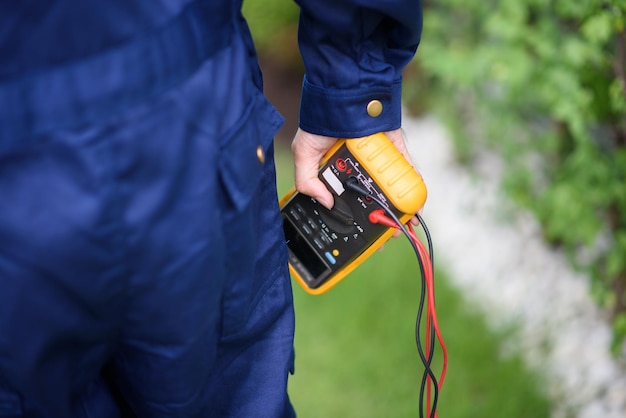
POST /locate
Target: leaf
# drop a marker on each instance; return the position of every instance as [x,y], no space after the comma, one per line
[598,28]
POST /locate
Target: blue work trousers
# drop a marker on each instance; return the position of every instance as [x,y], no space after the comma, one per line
[143,269]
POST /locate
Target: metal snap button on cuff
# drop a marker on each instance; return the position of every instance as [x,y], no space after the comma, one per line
[374,108]
[260,154]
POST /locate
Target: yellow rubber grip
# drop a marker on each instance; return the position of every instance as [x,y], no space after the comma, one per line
[398,180]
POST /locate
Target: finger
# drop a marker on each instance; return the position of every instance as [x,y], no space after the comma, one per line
[306,177]
[312,186]
[398,138]
[308,150]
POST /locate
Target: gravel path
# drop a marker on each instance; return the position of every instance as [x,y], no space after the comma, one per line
[495,255]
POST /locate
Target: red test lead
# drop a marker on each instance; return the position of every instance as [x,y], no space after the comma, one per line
[432,325]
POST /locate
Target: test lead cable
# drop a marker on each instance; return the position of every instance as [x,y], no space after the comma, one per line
[386,217]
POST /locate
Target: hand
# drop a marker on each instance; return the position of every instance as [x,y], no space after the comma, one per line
[308,149]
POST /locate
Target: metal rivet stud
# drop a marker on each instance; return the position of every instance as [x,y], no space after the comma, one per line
[260,154]
[374,108]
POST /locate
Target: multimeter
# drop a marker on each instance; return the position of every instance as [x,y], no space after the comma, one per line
[325,245]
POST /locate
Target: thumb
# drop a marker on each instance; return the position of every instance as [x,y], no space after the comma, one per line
[308,149]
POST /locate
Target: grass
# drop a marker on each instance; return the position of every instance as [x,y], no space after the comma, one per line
[356,353]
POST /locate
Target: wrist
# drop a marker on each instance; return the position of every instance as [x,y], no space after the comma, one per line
[350,113]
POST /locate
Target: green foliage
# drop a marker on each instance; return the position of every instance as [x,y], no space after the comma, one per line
[619,330]
[544,83]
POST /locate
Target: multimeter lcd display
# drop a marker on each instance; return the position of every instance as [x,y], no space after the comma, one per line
[303,253]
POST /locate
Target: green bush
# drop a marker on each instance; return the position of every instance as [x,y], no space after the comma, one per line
[544,84]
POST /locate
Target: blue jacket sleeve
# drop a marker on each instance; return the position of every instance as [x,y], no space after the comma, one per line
[354,52]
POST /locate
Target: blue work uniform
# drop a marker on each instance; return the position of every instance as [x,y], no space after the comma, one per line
[143,269]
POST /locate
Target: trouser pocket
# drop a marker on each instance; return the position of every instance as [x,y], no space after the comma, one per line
[245,150]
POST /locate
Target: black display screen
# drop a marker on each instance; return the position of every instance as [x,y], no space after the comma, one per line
[301,249]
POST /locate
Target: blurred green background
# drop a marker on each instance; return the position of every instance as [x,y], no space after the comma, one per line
[543,84]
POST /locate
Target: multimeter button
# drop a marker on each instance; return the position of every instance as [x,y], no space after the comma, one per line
[300,210]
[294,215]
[311,224]
[374,108]
[330,258]
[318,244]
[306,229]
[324,239]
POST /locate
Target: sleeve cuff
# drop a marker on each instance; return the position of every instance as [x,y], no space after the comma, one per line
[350,113]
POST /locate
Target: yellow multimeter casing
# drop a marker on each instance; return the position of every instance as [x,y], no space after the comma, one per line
[325,245]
